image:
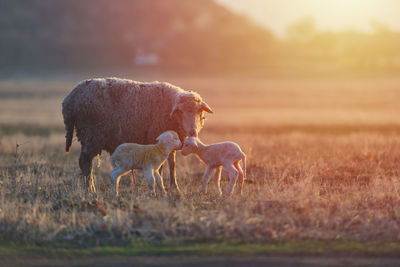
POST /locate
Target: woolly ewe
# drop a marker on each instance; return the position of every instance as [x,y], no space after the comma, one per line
[225,155]
[107,112]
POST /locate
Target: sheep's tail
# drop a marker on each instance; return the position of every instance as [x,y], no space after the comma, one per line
[69,122]
[69,127]
[244,165]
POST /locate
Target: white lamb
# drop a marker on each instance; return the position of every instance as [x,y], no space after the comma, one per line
[225,154]
[130,156]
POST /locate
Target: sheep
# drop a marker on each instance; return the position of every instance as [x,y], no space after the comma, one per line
[130,156]
[106,112]
[225,155]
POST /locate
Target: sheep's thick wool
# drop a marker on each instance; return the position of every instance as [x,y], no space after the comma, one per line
[110,111]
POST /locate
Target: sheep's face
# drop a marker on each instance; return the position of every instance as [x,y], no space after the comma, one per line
[192,122]
[189,112]
[170,139]
[189,146]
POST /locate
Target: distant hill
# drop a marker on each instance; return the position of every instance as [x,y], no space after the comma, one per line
[66,34]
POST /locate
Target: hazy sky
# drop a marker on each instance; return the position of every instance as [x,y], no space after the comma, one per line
[329,14]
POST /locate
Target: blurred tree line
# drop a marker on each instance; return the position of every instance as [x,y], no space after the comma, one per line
[103,33]
[348,50]
[198,35]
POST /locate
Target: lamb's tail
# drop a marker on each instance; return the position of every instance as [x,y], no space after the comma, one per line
[244,165]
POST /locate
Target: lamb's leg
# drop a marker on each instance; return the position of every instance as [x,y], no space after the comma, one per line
[116,175]
[149,173]
[218,176]
[206,179]
[241,176]
[133,180]
[160,169]
[233,173]
[85,163]
[160,183]
[172,172]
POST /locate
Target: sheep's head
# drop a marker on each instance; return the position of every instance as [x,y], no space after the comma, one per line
[170,139]
[189,146]
[189,111]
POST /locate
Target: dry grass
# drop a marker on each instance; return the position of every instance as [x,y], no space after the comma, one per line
[304,182]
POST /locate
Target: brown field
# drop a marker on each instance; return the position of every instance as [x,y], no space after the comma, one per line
[323,164]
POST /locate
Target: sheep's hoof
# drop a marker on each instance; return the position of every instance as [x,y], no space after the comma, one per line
[175,194]
[175,188]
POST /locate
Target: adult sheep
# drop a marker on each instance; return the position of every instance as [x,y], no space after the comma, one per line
[107,112]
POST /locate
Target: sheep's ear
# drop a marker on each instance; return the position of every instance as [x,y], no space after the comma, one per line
[206,107]
[175,109]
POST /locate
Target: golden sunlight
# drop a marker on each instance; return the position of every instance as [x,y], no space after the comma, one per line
[329,14]
[343,13]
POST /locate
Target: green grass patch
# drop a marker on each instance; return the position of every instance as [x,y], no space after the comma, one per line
[215,249]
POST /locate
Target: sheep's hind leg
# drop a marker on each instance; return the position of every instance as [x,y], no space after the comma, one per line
[241,176]
[85,163]
[233,173]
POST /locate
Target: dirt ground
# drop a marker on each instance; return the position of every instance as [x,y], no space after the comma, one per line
[297,261]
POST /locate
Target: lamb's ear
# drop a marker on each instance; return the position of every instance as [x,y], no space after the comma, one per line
[206,107]
[160,138]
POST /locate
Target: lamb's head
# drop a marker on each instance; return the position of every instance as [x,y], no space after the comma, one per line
[170,139]
[188,111]
[190,146]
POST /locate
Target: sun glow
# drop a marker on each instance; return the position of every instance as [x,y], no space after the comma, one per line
[339,14]
[329,14]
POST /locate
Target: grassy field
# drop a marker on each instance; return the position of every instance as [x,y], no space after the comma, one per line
[323,166]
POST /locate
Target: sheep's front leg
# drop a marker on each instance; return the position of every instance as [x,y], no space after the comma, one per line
[218,176]
[149,173]
[160,183]
[233,174]
[206,178]
[172,171]
[85,163]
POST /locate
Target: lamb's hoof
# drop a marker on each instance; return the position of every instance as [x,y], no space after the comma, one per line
[163,194]
[228,195]
[152,194]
